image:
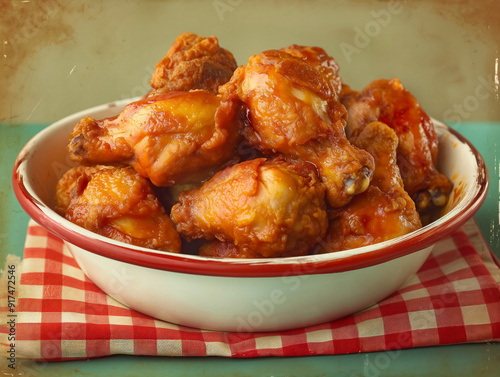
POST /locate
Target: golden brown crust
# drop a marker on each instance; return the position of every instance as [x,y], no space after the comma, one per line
[172,138]
[291,109]
[117,203]
[261,160]
[382,212]
[390,102]
[265,208]
[193,62]
[323,62]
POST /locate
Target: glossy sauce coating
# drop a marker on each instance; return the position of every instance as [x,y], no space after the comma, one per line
[389,102]
[263,208]
[382,212]
[291,109]
[171,138]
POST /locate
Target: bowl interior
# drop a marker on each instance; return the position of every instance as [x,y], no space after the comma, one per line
[462,163]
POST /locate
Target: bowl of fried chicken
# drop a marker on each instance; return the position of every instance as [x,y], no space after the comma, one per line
[261,197]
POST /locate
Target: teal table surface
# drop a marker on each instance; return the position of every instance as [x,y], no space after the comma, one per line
[456,360]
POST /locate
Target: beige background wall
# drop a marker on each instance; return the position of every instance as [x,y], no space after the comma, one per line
[59,56]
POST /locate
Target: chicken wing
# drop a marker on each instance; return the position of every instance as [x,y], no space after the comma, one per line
[382,212]
[193,62]
[290,108]
[257,208]
[389,102]
[175,137]
[117,203]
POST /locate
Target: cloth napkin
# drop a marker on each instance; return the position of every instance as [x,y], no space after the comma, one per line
[62,315]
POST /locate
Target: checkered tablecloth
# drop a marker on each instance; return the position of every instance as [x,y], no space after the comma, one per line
[62,315]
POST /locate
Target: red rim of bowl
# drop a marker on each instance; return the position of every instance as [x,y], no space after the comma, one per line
[273,267]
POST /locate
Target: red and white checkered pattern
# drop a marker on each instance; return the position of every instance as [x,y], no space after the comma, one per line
[61,314]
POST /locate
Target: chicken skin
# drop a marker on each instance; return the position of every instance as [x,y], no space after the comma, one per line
[389,102]
[382,212]
[290,109]
[193,62]
[171,138]
[323,62]
[257,208]
[117,203]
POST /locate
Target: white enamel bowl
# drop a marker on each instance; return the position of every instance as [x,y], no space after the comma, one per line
[233,294]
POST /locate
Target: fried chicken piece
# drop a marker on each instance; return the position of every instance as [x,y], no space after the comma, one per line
[259,208]
[290,108]
[193,62]
[117,203]
[382,212]
[389,102]
[323,62]
[175,137]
